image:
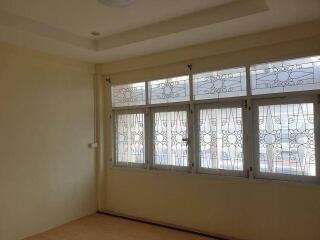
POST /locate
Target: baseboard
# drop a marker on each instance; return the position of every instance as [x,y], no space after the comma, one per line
[168,225]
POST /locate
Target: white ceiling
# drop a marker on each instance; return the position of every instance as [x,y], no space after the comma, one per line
[84,16]
[63,27]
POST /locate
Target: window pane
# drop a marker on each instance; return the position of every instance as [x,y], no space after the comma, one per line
[128,95]
[221,138]
[169,90]
[286,76]
[286,139]
[220,84]
[170,133]
[130,138]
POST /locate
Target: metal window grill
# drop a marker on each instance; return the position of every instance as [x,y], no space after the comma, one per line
[286,139]
[220,84]
[286,76]
[220,138]
[168,90]
[128,95]
[170,138]
[130,138]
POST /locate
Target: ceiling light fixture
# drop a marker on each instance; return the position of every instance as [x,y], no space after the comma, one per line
[116,3]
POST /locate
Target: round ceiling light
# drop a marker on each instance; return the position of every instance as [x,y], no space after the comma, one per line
[116,3]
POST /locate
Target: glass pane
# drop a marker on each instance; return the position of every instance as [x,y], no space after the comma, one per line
[170,135]
[221,138]
[286,139]
[128,95]
[286,76]
[169,90]
[130,138]
[220,84]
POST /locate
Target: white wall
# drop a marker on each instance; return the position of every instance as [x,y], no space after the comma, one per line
[47,171]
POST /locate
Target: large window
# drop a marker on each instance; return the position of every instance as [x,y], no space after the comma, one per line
[224,122]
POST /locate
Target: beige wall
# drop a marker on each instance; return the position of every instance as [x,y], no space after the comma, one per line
[246,209]
[47,171]
[240,208]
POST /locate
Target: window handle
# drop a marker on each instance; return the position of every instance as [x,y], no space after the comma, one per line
[187,140]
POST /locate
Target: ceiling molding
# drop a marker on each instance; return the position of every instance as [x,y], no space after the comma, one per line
[269,53]
[226,12]
[28,25]
[266,38]
[213,27]
[221,13]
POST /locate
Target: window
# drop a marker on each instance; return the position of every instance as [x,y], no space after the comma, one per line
[168,90]
[224,122]
[130,138]
[286,76]
[220,84]
[128,95]
[170,138]
[220,138]
[287,139]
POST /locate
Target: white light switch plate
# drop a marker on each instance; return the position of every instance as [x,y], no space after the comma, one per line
[93,145]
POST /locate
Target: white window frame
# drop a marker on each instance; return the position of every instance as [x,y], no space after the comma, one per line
[191,107]
[115,161]
[249,105]
[148,85]
[255,138]
[221,172]
[220,99]
[130,106]
[170,108]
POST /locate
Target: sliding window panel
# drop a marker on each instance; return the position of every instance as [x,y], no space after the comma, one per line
[128,95]
[220,84]
[286,139]
[300,74]
[129,135]
[170,138]
[220,139]
[169,90]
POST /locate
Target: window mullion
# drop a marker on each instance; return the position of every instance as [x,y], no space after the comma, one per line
[147,128]
[192,139]
[113,134]
[196,140]
[253,142]
[192,126]
[317,136]
[249,135]
[147,143]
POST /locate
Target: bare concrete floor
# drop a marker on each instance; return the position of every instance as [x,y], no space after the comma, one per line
[104,227]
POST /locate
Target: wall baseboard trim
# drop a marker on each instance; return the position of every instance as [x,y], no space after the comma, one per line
[168,225]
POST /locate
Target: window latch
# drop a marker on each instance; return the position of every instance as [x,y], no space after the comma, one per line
[187,140]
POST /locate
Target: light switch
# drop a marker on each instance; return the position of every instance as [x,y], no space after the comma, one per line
[93,145]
